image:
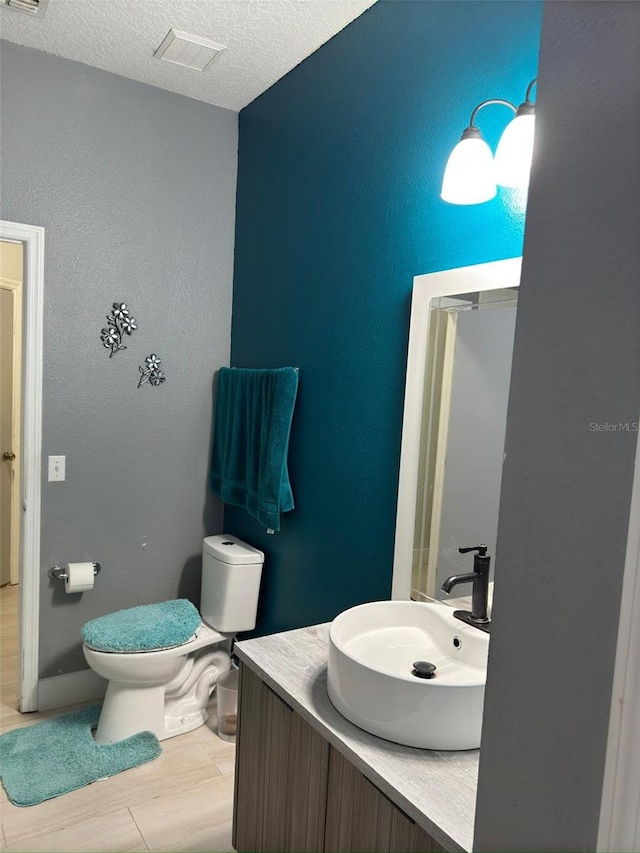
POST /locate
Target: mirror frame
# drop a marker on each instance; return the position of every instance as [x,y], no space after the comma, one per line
[495,275]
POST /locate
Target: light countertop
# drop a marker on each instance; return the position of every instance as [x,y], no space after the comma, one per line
[436,789]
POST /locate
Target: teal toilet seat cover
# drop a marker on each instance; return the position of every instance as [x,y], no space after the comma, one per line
[143,629]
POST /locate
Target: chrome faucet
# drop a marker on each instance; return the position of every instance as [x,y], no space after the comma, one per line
[480,592]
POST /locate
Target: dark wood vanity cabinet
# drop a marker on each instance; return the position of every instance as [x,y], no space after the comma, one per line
[362,818]
[281,775]
[294,792]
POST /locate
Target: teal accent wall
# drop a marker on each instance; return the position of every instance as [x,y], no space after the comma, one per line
[338,208]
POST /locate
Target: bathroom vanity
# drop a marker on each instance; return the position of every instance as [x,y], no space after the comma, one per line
[307,779]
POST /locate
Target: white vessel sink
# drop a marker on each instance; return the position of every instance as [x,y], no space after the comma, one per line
[372,649]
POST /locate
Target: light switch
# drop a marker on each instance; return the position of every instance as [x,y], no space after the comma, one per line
[57,466]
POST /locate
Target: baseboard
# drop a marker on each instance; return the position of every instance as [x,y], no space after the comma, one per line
[70,689]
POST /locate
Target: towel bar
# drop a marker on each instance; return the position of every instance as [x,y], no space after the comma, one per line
[297,369]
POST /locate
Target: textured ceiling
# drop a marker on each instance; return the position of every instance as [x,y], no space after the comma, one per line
[265,39]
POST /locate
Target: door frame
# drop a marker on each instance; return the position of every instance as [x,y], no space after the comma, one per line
[32,238]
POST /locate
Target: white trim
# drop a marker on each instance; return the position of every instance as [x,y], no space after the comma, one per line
[491,276]
[619,828]
[72,688]
[32,237]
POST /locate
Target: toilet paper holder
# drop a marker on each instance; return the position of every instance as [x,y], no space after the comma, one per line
[59,573]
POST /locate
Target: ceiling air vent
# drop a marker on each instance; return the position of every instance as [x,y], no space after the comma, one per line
[35,8]
[190,51]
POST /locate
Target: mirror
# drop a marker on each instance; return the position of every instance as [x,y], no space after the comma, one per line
[458,372]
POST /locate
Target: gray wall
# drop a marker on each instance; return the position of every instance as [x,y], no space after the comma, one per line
[566,489]
[136,190]
[475,441]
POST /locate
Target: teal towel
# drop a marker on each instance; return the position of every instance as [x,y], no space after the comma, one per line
[145,628]
[253,416]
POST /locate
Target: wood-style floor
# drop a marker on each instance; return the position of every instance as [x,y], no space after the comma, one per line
[182,801]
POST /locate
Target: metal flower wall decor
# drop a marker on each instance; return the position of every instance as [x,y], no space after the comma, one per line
[121,323]
[151,372]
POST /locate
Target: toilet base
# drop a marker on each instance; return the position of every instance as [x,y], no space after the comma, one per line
[166,710]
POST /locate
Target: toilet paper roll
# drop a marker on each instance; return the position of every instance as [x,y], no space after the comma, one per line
[80,577]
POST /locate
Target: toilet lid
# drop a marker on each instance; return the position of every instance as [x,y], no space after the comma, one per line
[143,629]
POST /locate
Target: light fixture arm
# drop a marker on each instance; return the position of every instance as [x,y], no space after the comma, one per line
[486,104]
[527,97]
[527,108]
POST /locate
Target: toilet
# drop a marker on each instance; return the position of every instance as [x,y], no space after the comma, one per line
[162,661]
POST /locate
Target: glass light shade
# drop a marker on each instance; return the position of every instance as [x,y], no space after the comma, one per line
[469,177]
[514,152]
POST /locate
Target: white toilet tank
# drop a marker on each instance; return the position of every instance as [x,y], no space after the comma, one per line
[231,572]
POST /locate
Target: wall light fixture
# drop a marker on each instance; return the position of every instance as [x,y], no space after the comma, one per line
[472,173]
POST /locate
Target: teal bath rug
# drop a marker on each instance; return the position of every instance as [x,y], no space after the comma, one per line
[56,756]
